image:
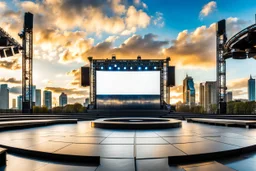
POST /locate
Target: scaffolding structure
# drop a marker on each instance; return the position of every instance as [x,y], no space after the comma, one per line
[161,65]
[221,39]
[27,64]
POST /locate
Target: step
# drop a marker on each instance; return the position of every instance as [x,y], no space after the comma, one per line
[2,157]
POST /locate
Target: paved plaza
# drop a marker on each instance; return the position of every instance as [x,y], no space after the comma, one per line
[125,149]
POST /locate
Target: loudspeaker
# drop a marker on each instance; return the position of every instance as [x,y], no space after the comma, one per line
[171,76]
[239,55]
[221,27]
[2,55]
[28,23]
[223,107]
[9,52]
[26,107]
[251,38]
[3,41]
[16,50]
[85,76]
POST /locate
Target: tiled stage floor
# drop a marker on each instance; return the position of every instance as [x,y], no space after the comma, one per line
[118,148]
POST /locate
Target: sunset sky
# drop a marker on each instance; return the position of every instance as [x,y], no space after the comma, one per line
[66,32]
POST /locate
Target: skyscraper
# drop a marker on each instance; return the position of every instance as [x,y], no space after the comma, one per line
[47,99]
[38,97]
[201,94]
[229,96]
[86,103]
[4,96]
[208,95]
[13,103]
[251,89]
[189,92]
[19,102]
[63,99]
[34,94]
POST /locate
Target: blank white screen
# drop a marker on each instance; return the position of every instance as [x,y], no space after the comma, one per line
[127,82]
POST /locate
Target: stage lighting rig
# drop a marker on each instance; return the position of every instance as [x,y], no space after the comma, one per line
[12,47]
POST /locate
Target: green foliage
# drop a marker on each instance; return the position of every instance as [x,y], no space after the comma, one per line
[37,109]
[213,108]
[193,109]
[74,108]
[241,107]
[70,108]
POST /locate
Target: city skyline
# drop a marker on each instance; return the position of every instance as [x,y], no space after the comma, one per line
[134,28]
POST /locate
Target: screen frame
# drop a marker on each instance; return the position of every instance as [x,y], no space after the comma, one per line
[160,87]
[159,90]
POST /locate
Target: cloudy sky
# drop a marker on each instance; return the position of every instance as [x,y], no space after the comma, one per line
[66,32]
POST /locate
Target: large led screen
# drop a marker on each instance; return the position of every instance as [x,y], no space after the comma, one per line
[128,89]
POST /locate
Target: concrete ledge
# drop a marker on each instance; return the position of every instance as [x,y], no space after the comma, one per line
[11,125]
[136,123]
[2,157]
[89,160]
[209,156]
[225,122]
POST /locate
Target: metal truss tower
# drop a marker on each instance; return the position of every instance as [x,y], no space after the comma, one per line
[221,67]
[27,63]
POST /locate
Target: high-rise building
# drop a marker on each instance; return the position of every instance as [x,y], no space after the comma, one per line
[201,94]
[63,99]
[86,103]
[38,97]
[19,102]
[208,95]
[229,96]
[4,96]
[13,103]
[251,89]
[34,94]
[189,92]
[47,99]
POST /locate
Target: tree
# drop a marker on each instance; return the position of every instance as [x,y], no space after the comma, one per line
[213,108]
[231,107]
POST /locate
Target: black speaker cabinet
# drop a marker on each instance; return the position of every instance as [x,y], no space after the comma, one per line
[85,76]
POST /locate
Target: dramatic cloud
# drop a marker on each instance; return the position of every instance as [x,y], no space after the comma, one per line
[147,47]
[207,9]
[10,80]
[55,22]
[73,100]
[189,49]
[238,87]
[68,91]
[2,5]
[176,94]
[76,73]
[10,64]
[136,18]
[239,93]
[16,90]
[198,48]
[115,15]
[238,83]
[158,19]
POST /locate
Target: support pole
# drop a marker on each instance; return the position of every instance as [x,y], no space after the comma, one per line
[221,67]
[27,64]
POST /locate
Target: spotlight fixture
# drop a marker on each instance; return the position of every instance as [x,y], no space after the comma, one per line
[118,68]
[130,67]
[102,67]
[110,68]
[115,65]
[146,68]
[139,68]
[124,68]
